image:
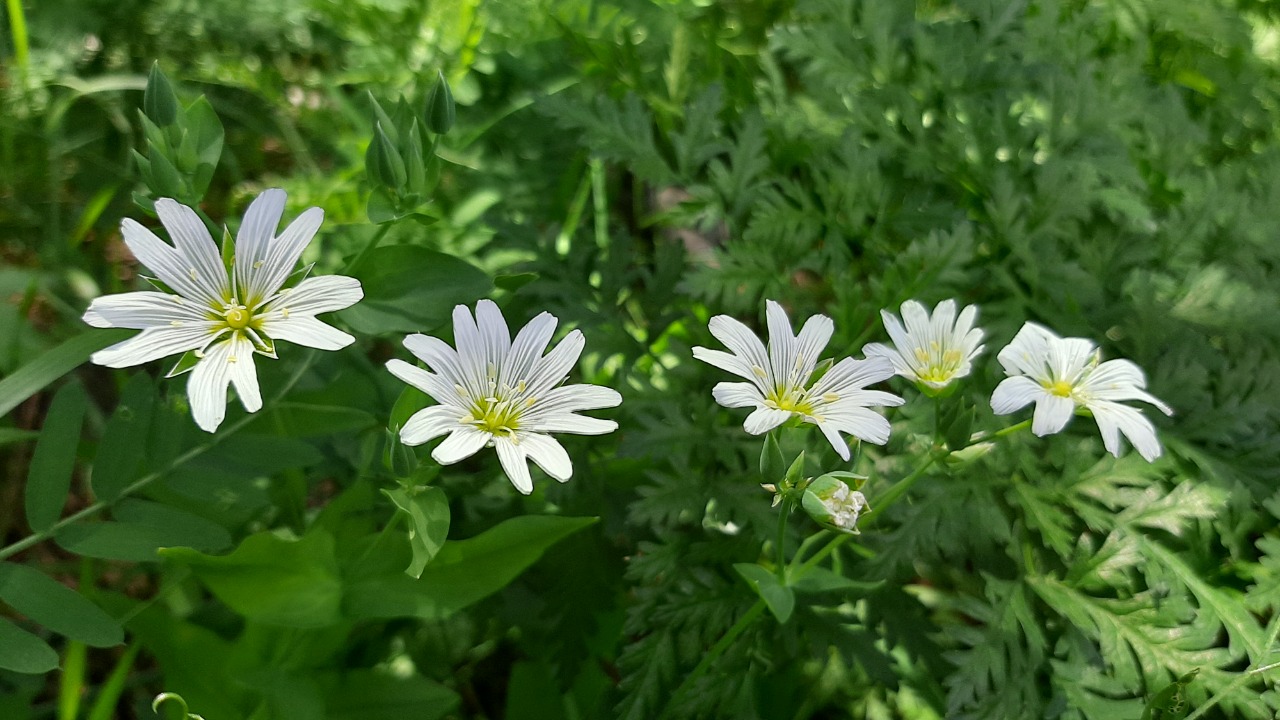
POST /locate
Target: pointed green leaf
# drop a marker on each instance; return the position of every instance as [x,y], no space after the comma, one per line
[53,364]
[158,101]
[463,572]
[778,597]
[49,479]
[428,512]
[57,606]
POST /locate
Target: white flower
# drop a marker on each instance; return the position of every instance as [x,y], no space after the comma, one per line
[1061,374]
[779,377]
[933,350]
[497,391]
[222,312]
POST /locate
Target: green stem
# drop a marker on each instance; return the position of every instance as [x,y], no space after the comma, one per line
[783,514]
[383,229]
[715,652]
[18,29]
[1001,432]
[141,483]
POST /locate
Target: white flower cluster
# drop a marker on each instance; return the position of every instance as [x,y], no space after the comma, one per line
[1061,376]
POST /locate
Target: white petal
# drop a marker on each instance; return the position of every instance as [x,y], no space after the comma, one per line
[427,382]
[858,421]
[192,240]
[782,344]
[572,398]
[570,423]
[240,370]
[1120,380]
[142,310]
[207,387]
[315,295]
[877,398]
[471,354]
[1015,393]
[902,341]
[167,264]
[737,394]
[307,331]
[513,463]
[900,364]
[942,323]
[1052,414]
[1069,356]
[428,424]
[526,349]
[741,342]
[1028,352]
[1114,418]
[282,255]
[833,436]
[548,454]
[495,337]
[439,357]
[764,419]
[461,444]
[810,343]
[732,363]
[553,368]
[253,239]
[849,375]
[154,343]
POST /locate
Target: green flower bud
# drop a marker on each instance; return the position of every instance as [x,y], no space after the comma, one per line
[383,162]
[159,102]
[831,503]
[440,109]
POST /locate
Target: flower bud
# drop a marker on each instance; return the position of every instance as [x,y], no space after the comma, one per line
[440,110]
[831,503]
[383,162]
[158,101]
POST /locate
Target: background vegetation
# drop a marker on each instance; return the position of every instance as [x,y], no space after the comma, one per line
[1109,169]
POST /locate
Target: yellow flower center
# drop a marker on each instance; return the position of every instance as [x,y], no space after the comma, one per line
[1061,388]
[938,365]
[499,412]
[791,399]
[238,317]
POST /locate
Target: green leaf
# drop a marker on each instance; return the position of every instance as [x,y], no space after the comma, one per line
[412,289]
[428,513]
[53,364]
[778,597]
[104,706]
[57,606]
[121,451]
[441,110]
[372,695]
[203,123]
[158,101]
[20,651]
[273,580]
[463,572]
[818,579]
[49,478]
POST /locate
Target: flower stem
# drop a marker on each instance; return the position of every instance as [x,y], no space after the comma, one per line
[142,482]
[383,229]
[1001,432]
[783,514]
[714,653]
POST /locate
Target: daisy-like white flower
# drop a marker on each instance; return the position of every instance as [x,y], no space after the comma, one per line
[778,386]
[497,391]
[221,308]
[931,350]
[1062,374]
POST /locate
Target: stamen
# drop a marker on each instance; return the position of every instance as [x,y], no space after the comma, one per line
[759,372]
[284,313]
[257,265]
[176,323]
